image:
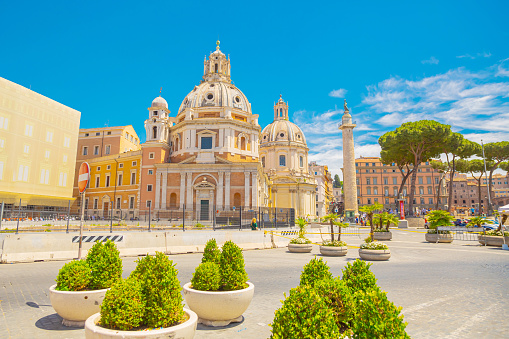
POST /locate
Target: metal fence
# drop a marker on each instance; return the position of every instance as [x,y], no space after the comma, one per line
[229,217]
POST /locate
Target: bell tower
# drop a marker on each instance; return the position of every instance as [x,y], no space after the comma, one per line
[280,109]
[157,124]
[217,67]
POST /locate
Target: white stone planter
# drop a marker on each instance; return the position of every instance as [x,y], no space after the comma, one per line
[374,255]
[185,330]
[442,237]
[382,236]
[300,248]
[76,306]
[333,251]
[218,308]
[492,240]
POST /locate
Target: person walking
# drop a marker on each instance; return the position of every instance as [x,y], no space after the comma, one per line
[254,227]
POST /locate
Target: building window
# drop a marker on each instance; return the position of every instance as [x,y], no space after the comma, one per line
[375,190]
[369,201]
[282,161]
[263,162]
[96,203]
[430,201]
[421,190]
[428,180]
[420,180]
[357,181]
[49,136]
[118,202]
[26,149]
[64,158]
[301,161]
[97,134]
[430,190]
[206,142]
[107,181]
[386,181]
[395,191]
[154,135]
[368,181]
[108,167]
[150,171]
[131,202]
[62,179]
[151,155]
[108,149]
[98,168]
[44,176]
[149,203]
[29,129]
[368,191]
[120,165]
[134,163]
[133,178]
[96,150]
[86,203]
[394,181]
[149,188]
[85,150]
[97,181]
[375,181]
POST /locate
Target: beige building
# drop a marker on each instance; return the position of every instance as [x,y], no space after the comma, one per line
[38,142]
[324,196]
[379,183]
[284,157]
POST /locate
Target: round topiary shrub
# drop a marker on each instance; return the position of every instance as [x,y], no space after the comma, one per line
[339,300]
[161,291]
[231,264]
[314,271]
[206,277]
[377,317]
[105,264]
[211,252]
[123,306]
[357,276]
[304,315]
[74,276]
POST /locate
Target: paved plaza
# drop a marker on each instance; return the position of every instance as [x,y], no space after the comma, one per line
[458,290]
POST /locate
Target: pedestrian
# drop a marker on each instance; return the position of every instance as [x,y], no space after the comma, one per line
[253,225]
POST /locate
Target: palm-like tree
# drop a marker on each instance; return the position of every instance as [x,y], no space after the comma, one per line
[439,218]
[301,222]
[391,218]
[370,210]
[479,221]
[380,219]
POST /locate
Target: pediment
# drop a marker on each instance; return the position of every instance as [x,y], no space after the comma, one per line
[189,160]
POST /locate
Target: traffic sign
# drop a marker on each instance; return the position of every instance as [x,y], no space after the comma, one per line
[83,176]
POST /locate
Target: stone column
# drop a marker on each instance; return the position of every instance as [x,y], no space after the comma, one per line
[158,191]
[182,189]
[219,192]
[227,190]
[164,190]
[246,188]
[349,176]
[189,195]
[254,190]
[221,138]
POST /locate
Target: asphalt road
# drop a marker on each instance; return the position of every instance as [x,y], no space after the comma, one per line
[458,290]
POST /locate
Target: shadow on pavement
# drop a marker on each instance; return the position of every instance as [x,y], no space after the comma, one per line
[53,322]
[202,327]
[35,305]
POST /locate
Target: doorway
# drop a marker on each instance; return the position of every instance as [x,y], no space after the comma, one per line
[204,210]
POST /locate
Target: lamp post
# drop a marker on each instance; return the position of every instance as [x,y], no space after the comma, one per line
[487,182]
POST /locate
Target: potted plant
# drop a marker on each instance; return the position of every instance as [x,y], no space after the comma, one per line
[490,237]
[219,292]
[334,248]
[382,223]
[82,284]
[349,307]
[370,210]
[146,305]
[436,219]
[374,250]
[301,244]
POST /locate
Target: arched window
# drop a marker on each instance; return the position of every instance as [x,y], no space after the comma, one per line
[154,132]
[237,200]
[243,143]
[301,161]
[386,191]
[368,190]
[173,200]
[430,190]
[395,191]
[263,162]
[282,160]
[421,190]
[375,190]
[216,68]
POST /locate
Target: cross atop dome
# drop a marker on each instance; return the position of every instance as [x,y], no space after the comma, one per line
[281,109]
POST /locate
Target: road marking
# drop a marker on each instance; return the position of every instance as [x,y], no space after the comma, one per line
[481,316]
[426,304]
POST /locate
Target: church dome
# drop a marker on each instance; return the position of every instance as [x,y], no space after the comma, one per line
[216,94]
[159,102]
[282,130]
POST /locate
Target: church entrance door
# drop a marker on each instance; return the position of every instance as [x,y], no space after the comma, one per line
[204,210]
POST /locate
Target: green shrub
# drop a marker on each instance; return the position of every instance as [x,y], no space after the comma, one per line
[161,291]
[496,233]
[211,252]
[314,271]
[233,273]
[377,317]
[439,218]
[304,315]
[435,231]
[123,306]
[206,277]
[105,263]
[339,300]
[357,276]
[74,276]
[198,225]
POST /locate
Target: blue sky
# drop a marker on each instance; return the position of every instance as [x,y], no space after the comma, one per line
[394,61]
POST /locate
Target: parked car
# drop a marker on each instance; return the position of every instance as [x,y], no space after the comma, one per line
[460,222]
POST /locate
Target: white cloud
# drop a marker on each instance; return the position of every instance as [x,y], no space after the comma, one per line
[502,71]
[338,93]
[431,61]
[478,55]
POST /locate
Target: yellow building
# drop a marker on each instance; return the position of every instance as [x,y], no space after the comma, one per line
[38,140]
[114,186]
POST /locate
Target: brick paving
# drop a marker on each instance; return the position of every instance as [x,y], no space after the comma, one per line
[458,290]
